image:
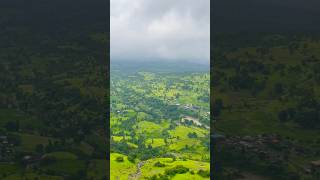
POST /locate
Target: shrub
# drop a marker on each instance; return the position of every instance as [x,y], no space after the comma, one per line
[132,157]
[179,169]
[159,164]
[204,173]
[119,159]
[160,177]
[192,135]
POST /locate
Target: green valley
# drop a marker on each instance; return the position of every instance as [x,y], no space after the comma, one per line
[266,105]
[159,124]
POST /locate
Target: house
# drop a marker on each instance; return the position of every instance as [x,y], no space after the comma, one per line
[190,119]
[315,165]
[6,151]
[30,159]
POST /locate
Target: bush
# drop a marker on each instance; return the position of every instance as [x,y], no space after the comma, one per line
[283,116]
[160,177]
[204,173]
[12,126]
[154,177]
[159,164]
[132,157]
[119,159]
[47,160]
[192,135]
[39,148]
[176,170]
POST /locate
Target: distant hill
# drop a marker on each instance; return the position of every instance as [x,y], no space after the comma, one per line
[158,66]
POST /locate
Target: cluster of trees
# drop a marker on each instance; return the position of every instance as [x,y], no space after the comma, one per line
[179,169]
[269,74]
[305,113]
[134,101]
[142,152]
[53,74]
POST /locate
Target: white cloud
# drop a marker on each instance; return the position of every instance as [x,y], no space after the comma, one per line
[160,29]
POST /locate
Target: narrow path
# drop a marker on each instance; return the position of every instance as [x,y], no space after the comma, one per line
[137,174]
[195,121]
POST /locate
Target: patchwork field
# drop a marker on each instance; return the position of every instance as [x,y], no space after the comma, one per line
[160,125]
[266,103]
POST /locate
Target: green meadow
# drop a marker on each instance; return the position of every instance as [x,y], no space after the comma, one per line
[266,96]
[159,125]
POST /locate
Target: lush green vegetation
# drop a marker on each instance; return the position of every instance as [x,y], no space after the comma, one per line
[159,123]
[266,103]
[52,90]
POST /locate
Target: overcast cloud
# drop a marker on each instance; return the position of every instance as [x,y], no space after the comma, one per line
[160,29]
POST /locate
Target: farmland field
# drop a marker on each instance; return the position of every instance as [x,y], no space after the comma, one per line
[159,124]
[52,91]
[266,105]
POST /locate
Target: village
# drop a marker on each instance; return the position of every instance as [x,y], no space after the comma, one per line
[268,147]
[6,149]
[155,116]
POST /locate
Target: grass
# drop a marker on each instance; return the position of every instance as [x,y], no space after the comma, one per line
[261,114]
[29,141]
[97,169]
[188,176]
[7,115]
[25,121]
[62,167]
[121,170]
[32,176]
[182,131]
[149,128]
[85,148]
[119,138]
[246,123]
[156,142]
[63,155]
[182,143]
[149,169]
[138,102]
[6,168]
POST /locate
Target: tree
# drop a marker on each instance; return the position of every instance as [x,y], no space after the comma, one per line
[217,107]
[283,116]
[204,173]
[179,169]
[39,148]
[278,88]
[132,157]
[308,118]
[12,125]
[192,135]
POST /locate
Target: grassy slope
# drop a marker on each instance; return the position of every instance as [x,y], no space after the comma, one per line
[149,169]
[261,116]
[121,170]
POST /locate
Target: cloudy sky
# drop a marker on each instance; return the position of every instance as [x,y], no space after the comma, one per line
[160,29]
